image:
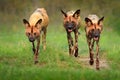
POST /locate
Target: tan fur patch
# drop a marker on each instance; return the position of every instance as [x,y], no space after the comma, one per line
[40,13]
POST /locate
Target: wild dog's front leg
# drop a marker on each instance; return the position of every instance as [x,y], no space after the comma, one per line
[36,52]
[44,38]
[33,47]
[76,43]
[90,51]
[97,55]
[70,43]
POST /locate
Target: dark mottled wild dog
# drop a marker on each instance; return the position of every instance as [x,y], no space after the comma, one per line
[36,25]
[71,23]
[93,30]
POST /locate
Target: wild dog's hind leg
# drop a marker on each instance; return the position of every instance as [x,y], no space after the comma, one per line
[76,43]
[44,38]
[36,52]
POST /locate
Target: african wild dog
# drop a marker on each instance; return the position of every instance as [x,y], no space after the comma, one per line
[37,24]
[93,30]
[71,23]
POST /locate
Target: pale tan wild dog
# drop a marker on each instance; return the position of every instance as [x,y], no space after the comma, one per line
[71,22]
[36,26]
[93,30]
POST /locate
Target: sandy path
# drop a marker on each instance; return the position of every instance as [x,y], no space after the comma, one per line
[85,63]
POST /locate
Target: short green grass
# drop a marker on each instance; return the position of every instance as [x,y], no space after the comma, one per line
[16,57]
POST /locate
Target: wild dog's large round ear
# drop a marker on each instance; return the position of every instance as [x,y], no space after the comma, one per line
[38,22]
[88,21]
[64,14]
[26,23]
[77,13]
[100,21]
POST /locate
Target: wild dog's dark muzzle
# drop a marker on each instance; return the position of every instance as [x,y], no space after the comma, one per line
[70,26]
[31,39]
[96,34]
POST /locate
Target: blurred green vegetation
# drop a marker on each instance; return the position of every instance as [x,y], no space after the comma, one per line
[13,11]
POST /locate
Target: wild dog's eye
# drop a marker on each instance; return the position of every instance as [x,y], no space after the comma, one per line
[28,33]
[34,33]
[92,30]
[67,22]
[72,21]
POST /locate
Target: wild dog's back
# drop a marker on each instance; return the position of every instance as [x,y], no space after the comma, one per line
[94,18]
[45,16]
[40,13]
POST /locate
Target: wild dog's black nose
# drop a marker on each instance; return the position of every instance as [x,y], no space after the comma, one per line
[96,35]
[70,26]
[31,39]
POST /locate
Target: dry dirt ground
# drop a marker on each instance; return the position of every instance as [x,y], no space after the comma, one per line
[85,63]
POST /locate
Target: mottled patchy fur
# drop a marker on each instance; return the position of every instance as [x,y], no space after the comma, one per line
[36,25]
[71,23]
[93,29]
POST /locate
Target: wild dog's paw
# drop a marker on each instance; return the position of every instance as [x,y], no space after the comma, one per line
[97,68]
[35,62]
[76,53]
[91,62]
